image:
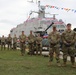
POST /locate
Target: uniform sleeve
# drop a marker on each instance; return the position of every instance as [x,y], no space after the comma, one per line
[75,36]
[25,37]
[41,38]
[58,37]
[63,37]
[74,39]
[36,39]
[49,37]
[20,38]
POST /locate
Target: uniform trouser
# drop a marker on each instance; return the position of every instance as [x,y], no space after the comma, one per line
[9,45]
[57,52]
[14,45]
[69,51]
[22,46]
[31,48]
[3,45]
[39,48]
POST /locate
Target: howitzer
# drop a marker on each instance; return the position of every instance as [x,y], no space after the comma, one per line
[45,31]
[49,26]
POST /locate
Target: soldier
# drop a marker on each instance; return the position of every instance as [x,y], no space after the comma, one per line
[31,39]
[9,41]
[54,39]
[75,33]
[39,44]
[14,42]
[22,43]
[68,38]
[3,43]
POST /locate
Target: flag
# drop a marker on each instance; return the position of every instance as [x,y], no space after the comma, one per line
[45,36]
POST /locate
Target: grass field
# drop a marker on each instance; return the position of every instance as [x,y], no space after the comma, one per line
[11,63]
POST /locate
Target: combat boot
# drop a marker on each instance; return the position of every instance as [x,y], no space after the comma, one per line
[58,64]
[22,54]
[49,64]
[73,65]
[64,64]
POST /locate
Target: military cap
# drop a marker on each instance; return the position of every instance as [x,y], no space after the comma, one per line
[22,31]
[69,24]
[54,26]
[30,30]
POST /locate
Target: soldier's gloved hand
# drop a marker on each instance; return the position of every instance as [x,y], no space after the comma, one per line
[71,44]
[65,43]
[53,43]
[68,44]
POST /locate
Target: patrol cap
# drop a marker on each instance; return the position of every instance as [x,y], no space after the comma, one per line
[30,30]
[22,31]
[54,26]
[69,24]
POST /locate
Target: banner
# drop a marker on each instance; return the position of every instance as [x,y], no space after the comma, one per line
[66,9]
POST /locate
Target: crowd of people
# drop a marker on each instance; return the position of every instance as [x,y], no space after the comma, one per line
[68,39]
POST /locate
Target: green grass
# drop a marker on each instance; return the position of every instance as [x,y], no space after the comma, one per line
[11,63]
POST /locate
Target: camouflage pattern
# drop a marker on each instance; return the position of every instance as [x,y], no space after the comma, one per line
[14,42]
[39,45]
[75,40]
[3,41]
[68,38]
[54,39]
[22,44]
[31,39]
[9,42]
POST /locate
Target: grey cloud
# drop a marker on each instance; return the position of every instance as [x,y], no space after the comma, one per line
[14,12]
[7,22]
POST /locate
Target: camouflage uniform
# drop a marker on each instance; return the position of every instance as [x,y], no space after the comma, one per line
[39,45]
[31,39]
[22,44]
[75,42]
[3,43]
[9,42]
[14,42]
[68,38]
[54,39]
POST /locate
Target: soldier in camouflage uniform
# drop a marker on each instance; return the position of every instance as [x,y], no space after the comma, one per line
[3,43]
[14,42]
[9,42]
[39,44]
[31,39]
[68,38]
[75,33]
[22,38]
[54,39]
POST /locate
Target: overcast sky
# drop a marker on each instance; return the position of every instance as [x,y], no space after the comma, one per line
[14,12]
